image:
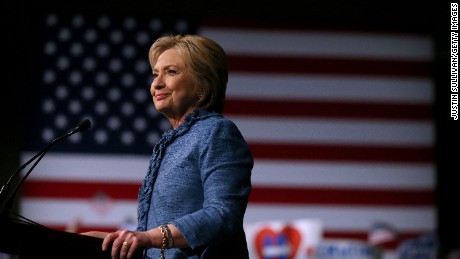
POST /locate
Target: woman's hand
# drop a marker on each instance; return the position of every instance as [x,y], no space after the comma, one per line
[124,243]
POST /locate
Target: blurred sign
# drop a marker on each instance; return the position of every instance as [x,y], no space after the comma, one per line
[345,249]
[283,239]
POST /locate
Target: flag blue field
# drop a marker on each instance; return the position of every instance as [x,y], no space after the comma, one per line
[340,122]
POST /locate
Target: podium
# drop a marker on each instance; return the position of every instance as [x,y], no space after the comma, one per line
[29,240]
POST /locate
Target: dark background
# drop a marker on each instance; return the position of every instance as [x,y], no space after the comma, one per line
[18,38]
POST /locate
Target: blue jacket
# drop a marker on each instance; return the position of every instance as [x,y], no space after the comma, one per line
[199,180]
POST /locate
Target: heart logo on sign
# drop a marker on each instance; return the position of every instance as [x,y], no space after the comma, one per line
[281,244]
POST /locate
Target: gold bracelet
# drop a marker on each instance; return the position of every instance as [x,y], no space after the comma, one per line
[163,243]
[170,237]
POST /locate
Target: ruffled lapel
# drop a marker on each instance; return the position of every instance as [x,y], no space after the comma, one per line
[145,191]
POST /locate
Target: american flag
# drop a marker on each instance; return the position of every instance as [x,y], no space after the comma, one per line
[340,122]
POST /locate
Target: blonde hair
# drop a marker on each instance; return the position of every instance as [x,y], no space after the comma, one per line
[207,61]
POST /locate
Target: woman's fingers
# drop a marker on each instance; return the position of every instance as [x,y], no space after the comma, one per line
[123,244]
[108,240]
[125,248]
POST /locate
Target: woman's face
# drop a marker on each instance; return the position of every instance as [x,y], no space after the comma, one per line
[172,89]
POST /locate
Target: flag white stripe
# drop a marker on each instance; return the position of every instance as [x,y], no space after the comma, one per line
[90,167]
[349,175]
[65,211]
[336,88]
[347,217]
[338,131]
[131,170]
[324,44]
[337,218]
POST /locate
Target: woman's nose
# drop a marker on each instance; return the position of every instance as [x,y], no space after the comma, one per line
[157,82]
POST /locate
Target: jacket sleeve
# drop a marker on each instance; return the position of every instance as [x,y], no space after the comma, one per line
[225,167]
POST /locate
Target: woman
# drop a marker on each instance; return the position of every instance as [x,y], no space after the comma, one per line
[193,199]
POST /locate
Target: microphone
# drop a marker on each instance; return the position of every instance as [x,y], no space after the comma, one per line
[82,126]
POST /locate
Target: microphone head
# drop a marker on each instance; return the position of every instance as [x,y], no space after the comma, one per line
[83,125]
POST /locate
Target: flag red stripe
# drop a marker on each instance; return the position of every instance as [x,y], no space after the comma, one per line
[286,195]
[324,109]
[329,66]
[78,190]
[355,196]
[336,152]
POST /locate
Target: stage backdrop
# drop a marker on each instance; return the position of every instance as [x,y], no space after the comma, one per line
[339,122]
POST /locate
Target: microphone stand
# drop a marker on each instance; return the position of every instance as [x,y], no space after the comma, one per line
[83,125]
